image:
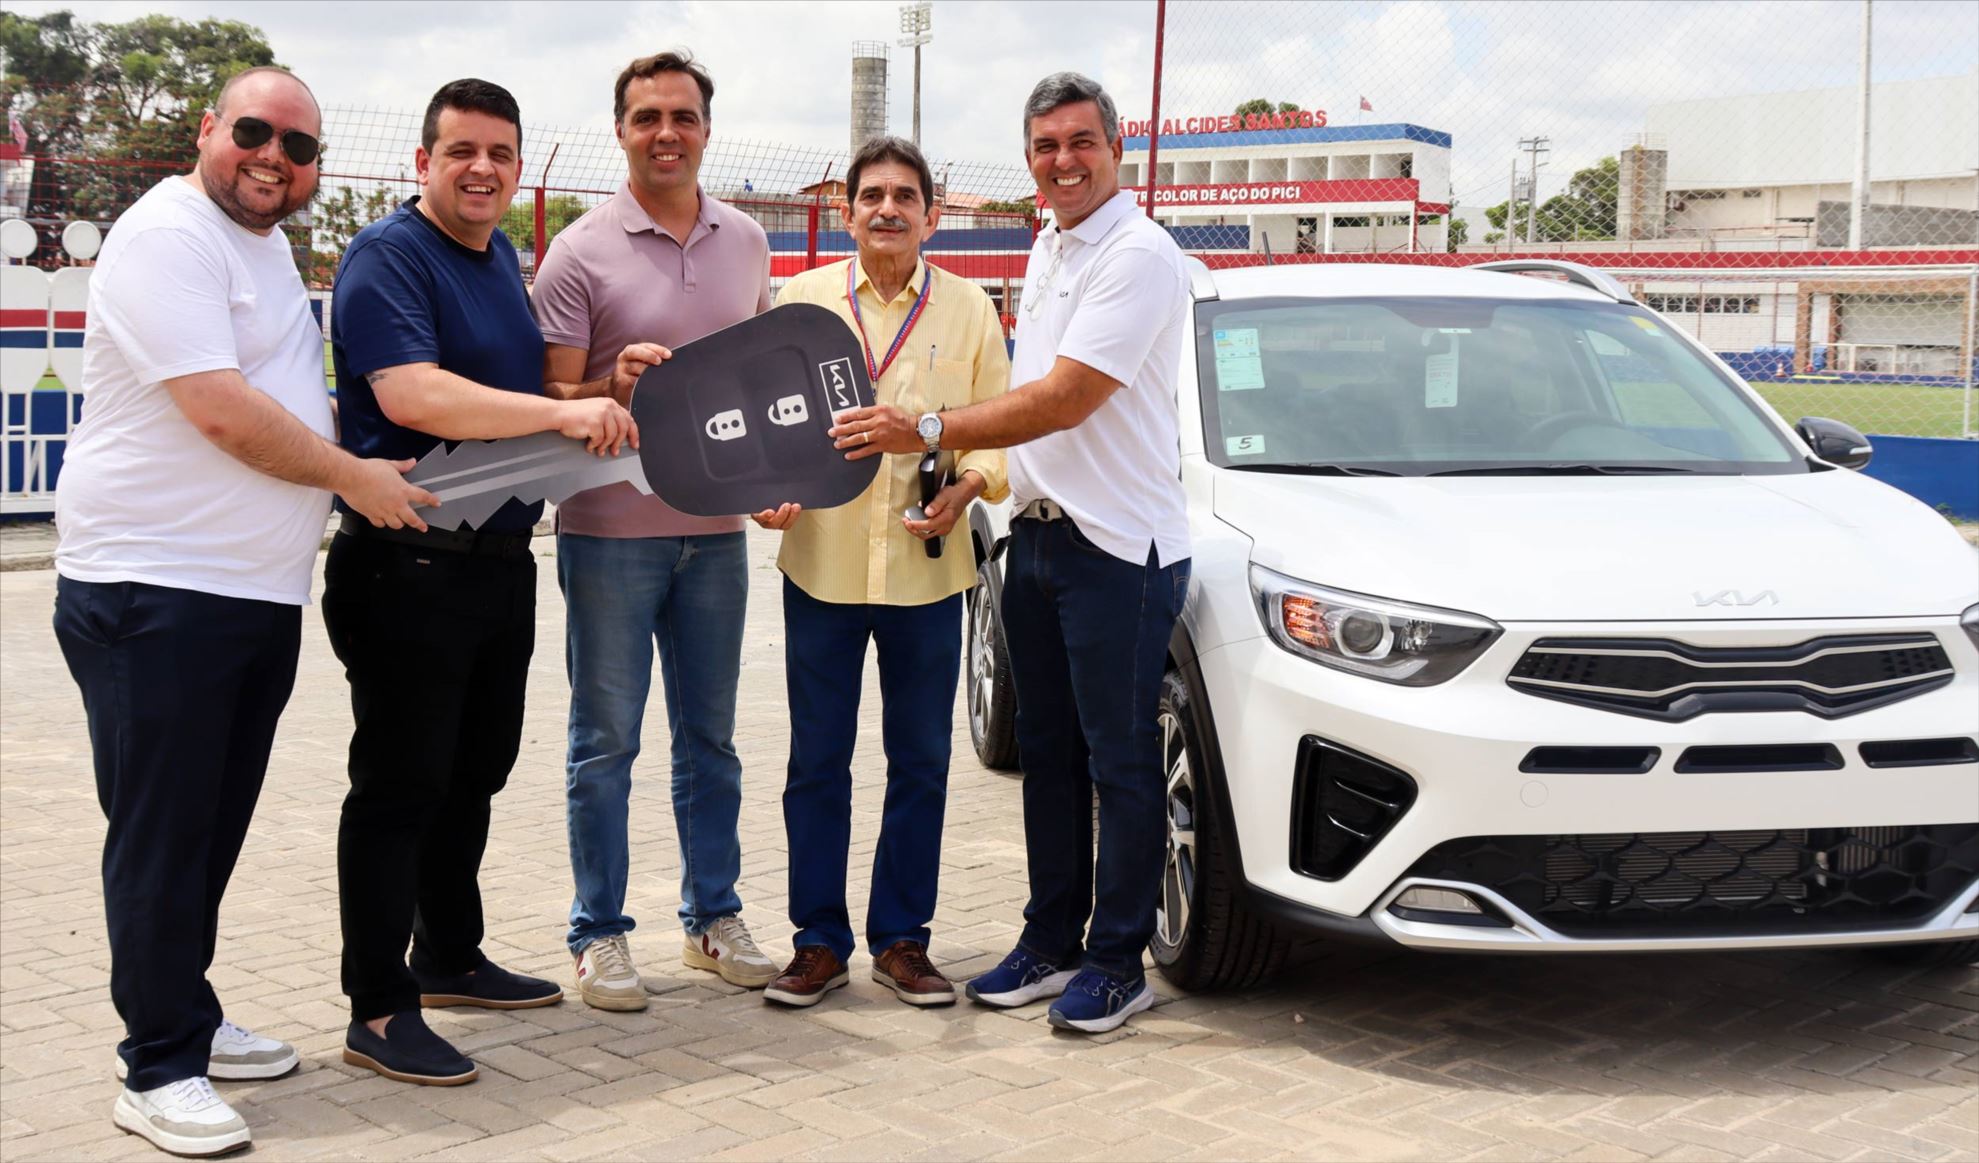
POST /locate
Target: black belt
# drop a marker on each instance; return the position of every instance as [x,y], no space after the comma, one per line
[442,540]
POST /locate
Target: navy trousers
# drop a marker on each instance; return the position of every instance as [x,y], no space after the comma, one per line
[920,655]
[182,690]
[1088,635]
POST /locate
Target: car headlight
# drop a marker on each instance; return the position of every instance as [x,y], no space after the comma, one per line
[1969,622]
[1393,641]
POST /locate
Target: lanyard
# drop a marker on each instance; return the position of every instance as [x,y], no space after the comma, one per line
[913,317]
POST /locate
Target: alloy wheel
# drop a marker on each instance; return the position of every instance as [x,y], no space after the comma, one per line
[982,661]
[1178,874]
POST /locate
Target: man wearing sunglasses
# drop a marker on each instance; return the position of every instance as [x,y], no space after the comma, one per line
[1099,558]
[864,571]
[191,505]
[433,340]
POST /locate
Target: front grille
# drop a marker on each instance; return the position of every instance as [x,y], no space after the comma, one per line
[1805,880]
[1660,678]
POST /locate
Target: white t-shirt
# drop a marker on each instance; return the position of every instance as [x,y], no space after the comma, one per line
[1117,301]
[181,288]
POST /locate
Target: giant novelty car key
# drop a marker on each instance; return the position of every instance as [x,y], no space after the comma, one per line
[734,423]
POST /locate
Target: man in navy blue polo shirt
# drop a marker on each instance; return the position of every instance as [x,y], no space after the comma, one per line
[433,339]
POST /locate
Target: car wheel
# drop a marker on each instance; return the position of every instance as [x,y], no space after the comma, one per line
[992,698]
[1929,954]
[1204,938]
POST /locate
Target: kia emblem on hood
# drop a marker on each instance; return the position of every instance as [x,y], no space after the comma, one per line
[1736,598]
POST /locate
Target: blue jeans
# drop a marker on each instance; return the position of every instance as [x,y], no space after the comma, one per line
[623,594]
[920,655]
[1088,635]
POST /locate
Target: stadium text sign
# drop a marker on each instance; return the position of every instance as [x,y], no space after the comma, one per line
[1229,123]
[1281,193]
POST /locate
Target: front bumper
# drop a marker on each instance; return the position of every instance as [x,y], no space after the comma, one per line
[1462,744]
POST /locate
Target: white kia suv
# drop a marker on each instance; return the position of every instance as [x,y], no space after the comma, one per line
[1520,622]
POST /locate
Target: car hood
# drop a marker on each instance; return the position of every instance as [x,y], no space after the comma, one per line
[1829,544]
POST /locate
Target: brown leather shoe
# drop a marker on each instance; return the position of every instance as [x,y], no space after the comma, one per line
[812,974]
[914,979]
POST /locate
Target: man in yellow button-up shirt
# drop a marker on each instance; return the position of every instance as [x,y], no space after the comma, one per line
[863,570]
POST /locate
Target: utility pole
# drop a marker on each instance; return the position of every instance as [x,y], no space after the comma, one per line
[916,29]
[1511,232]
[1858,202]
[1533,147]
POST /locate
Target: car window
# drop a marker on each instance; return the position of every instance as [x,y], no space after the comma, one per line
[1425,385]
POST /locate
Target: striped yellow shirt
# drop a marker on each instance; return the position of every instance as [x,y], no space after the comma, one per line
[860,552]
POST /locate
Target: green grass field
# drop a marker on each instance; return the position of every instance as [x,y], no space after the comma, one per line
[1892,409]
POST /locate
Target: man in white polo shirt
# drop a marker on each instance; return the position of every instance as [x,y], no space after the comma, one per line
[191,505]
[1099,557]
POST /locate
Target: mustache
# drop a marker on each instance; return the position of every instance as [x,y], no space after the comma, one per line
[882,222]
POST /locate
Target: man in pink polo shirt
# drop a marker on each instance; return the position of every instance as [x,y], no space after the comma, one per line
[660,263]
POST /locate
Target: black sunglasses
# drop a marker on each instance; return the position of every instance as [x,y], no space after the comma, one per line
[253,133]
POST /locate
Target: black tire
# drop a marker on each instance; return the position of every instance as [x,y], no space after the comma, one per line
[1204,937]
[1931,954]
[986,671]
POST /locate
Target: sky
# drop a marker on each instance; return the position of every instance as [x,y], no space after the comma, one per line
[1488,73]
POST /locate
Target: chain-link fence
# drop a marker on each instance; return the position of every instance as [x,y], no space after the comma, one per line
[1713,157]
[795,193]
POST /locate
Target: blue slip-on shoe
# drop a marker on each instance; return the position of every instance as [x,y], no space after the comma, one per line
[1019,979]
[488,986]
[408,1051]
[1095,1002]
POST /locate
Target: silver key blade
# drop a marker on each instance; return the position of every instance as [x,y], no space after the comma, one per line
[480,476]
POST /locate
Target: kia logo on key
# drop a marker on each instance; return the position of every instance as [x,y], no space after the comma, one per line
[727,426]
[837,378]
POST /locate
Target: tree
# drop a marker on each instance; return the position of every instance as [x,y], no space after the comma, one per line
[519,221]
[1584,211]
[154,77]
[1025,206]
[115,93]
[1260,105]
[337,217]
[1458,232]
[47,64]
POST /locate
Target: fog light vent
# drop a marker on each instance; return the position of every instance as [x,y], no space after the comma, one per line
[1438,900]
[1343,803]
[1445,906]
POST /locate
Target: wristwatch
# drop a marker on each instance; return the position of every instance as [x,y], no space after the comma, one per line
[930,430]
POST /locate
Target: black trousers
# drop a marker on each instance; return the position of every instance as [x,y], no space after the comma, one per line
[436,646]
[182,690]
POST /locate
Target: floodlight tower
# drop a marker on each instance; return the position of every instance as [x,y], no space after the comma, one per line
[916,29]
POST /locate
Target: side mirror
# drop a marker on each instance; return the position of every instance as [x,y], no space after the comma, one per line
[1834,441]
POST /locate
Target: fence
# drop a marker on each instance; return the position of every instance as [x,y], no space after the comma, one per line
[368,169]
[1713,157]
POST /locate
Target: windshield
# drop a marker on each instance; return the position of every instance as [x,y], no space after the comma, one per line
[1419,386]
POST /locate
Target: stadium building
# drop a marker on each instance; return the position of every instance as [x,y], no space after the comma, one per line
[1292,183]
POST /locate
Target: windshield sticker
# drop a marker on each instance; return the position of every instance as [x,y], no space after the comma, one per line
[1439,379]
[1243,445]
[1645,324]
[1238,367]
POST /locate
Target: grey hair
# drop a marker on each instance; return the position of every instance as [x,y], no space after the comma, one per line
[1061,89]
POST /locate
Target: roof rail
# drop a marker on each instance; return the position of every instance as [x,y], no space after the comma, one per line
[1599,282]
[1202,284]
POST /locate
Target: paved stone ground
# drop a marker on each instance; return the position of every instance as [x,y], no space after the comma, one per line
[1350,1055]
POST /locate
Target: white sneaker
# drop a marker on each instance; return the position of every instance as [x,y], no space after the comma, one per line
[238,1055]
[606,977]
[183,1117]
[728,949]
